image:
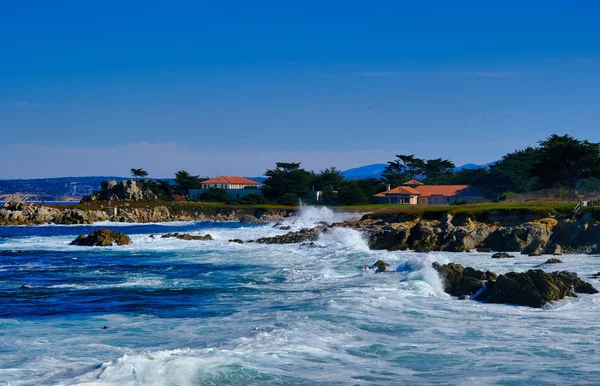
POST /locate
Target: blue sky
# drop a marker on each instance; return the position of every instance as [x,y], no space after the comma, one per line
[231,87]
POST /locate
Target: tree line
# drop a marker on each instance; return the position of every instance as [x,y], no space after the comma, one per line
[557,162]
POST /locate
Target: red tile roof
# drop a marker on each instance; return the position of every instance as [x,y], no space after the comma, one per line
[413,182]
[442,190]
[230,180]
[400,190]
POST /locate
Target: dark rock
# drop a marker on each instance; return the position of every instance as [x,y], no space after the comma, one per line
[310,244]
[458,280]
[104,328]
[249,219]
[24,287]
[464,297]
[484,250]
[501,255]
[285,228]
[187,236]
[553,260]
[389,238]
[534,254]
[151,236]
[238,241]
[102,238]
[535,287]
[380,266]
[595,275]
[303,235]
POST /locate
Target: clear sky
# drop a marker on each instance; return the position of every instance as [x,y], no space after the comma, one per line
[231,87]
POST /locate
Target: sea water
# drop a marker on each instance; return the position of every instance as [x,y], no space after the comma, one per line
[176,312]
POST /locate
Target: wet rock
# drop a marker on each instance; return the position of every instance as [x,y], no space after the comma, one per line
[380,266]
[535,287]
[186,236]
[501,255]
[237,241]
[459,280]
[102,238]
[151,236]
[24,287]
[553,260]
[484,250]
[285,228]
[464,297]
[310,244]
[303,235]
[389,238]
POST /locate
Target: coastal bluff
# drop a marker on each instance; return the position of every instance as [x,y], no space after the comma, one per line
[12,213]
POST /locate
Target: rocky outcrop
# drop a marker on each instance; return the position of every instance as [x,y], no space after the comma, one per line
[509,232]
[303,235]
[102,238]
[128,190]
[89,213]
[533,288]
[186,236]
[237,241]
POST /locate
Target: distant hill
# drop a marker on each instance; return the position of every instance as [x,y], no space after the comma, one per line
[55,188]
[375,170]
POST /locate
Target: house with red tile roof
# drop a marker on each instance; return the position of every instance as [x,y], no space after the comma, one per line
[415,192]
[235,186]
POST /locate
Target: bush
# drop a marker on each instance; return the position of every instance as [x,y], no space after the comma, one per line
[215,195]
[253,199]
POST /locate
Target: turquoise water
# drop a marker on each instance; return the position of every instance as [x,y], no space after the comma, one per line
[210,312]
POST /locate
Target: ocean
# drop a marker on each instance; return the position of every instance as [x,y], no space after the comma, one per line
[176,312]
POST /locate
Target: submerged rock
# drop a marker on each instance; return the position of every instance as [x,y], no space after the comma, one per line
[310,244]
[380,266]
[501,255]
[553,260]
[237,241]
[102,238]
[186,236]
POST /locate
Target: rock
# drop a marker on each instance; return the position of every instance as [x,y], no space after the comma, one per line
[501,255]
[186,236]
[151,236]
[380,266]
[484,250]
[102,238]
[237,241]
[534,254]
[595,275]
[464,297]
[127,190]
[389,238]
[310,244]
[458,280]
[553,260]
[535,287]
[285,228]
[249,219]
[24,287]
[303,235]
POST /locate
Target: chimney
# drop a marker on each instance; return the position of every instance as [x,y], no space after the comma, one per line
[388,188]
